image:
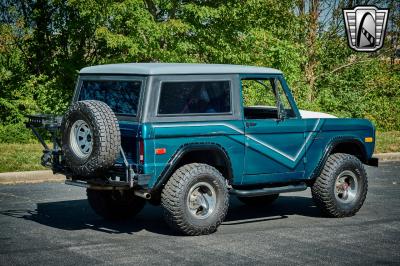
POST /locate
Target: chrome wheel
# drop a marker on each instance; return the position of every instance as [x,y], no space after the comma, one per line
[81,139]
[346,187]
[201,200]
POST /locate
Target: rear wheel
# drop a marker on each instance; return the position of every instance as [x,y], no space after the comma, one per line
[195,199]
[342,187]
[260,200]
[115,204]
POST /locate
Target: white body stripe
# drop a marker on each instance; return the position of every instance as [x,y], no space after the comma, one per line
[248,136]
[200,125]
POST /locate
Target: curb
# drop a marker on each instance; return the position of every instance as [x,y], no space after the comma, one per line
[388,157]
[29,177]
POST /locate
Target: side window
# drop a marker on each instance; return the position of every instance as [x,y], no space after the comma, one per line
[258,93]
[263,98]
[194,97]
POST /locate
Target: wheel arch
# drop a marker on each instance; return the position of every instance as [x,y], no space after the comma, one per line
[208,153]
[348,145]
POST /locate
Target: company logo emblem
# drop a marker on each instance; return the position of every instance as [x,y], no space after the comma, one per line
[365,27]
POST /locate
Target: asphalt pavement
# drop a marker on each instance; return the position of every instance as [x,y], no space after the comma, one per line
[52,224]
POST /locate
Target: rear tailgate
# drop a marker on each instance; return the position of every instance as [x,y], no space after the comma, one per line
[129,141]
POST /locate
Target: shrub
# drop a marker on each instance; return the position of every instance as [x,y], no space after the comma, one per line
[16,133]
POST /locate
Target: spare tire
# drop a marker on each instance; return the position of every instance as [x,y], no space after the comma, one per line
[91,138]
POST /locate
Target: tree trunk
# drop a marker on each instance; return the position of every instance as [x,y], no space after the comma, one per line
[311,43]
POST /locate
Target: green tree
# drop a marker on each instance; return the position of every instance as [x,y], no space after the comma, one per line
[44,43]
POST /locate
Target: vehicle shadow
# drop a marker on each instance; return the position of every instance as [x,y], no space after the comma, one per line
[77,215]
[282,208]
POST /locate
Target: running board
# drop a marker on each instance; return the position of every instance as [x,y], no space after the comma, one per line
[268,190]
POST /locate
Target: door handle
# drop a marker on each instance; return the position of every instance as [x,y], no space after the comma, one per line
[251,124]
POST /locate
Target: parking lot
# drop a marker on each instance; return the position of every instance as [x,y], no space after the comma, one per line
[52,224]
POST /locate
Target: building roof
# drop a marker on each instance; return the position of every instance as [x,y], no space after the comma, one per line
[176,68]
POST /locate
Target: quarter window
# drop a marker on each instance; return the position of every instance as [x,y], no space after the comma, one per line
[195,97]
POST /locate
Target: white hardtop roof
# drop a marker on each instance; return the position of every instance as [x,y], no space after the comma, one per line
[176,68]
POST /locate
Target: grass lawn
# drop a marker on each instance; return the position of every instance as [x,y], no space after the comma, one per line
[20,157]
[387,141]
[26,157]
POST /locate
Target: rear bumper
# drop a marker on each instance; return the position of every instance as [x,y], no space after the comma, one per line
[139,180]
[373,162]
[113,185]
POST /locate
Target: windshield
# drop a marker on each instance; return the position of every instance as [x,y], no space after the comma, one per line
[122,96]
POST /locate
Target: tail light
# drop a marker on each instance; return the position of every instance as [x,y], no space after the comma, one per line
[141,151]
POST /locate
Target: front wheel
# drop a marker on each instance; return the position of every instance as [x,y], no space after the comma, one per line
[342,187]
[195,199]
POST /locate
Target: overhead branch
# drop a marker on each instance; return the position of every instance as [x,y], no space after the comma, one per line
[348,65]
[152,8]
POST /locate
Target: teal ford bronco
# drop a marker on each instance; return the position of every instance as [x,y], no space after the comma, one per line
[186,136]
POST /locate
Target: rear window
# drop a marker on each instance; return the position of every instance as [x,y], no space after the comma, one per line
[198,97]
[121,96]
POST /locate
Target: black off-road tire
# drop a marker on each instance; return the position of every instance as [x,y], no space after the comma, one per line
[260,200]
[115,205]
[324,187]
[174,199]
[106,139]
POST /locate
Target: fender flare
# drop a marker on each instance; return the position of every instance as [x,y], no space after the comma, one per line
[185,149]
[334,142]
